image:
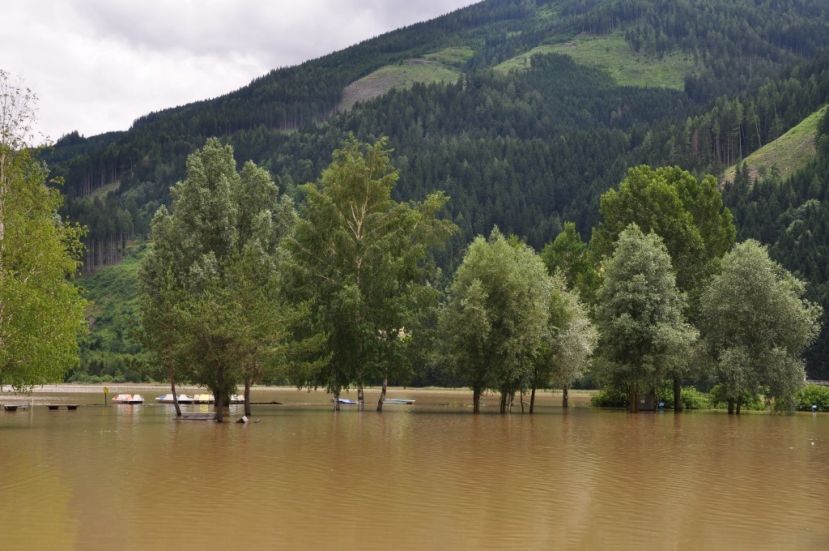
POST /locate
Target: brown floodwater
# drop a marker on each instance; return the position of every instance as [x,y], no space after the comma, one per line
[428,476]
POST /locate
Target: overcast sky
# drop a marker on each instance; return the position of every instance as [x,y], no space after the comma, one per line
[97,65]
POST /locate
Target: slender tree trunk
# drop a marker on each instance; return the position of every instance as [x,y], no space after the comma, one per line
[503,408]
[361,397]
[336,399]
[219,395]
[731,406]
[532,399]
[247,396]
[511,401]
[677,395]
[739,405]
[476,400]
[522,400]
[383,394]
[565,396]
[633,398]
[175,396]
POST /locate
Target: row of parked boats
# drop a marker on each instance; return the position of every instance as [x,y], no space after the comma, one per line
[136,399]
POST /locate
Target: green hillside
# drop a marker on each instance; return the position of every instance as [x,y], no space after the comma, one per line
[694,83]
[787,154]
[613,54]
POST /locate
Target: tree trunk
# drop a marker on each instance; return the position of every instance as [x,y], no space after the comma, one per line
[219,394]
[532,399]
[731,406]
[476,400]
[220,406]
[633,399]
[739,405]
[361,397]
[247,396]
[677,395]
[336,399]
[383,394]
[565,397]
[503,408]
[522,400]
[175,396]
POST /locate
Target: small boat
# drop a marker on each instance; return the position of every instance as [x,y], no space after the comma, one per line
[237,399]
[128,399]
[203,399]
[401,401]
[346,401]
[168,399]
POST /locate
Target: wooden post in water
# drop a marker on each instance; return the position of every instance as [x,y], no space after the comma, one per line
[106,392]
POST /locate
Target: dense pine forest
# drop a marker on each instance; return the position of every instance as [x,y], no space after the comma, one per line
[523,112]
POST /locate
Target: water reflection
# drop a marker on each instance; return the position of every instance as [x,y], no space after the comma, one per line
[423,477]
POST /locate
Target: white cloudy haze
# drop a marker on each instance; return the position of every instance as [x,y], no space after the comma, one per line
[96,65]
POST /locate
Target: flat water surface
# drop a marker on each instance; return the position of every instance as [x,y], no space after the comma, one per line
[429,476]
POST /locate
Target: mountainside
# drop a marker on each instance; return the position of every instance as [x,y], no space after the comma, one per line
[523,111]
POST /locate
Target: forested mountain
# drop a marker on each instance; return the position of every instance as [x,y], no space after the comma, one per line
[522,111]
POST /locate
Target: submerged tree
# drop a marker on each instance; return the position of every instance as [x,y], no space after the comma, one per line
[496,317]
[757,325]
[41,310]
[566,349]
[209,304]
[358,261]
[687,213]
[643,333]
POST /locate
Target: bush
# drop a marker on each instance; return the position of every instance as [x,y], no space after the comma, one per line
[718,399]
[609,398]
[694,399]
[810,395]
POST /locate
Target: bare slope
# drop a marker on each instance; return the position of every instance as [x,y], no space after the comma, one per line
[788,153]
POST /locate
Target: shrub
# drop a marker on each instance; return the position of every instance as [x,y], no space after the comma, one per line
[609,398]
[718,399]
[810,395]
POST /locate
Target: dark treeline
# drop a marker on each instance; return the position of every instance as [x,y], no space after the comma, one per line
[524,151]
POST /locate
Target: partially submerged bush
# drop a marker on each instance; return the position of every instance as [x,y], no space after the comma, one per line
[609,398]
[813,395]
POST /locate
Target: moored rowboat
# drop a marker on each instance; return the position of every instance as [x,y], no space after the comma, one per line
[132,399]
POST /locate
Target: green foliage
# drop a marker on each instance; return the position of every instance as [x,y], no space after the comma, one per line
[112,350]
[496,316]
[643,333]
[719,395]
[359,261]
[611,397]
[756,325]
[569,254]
[209,282]
[813,395]
[41,310]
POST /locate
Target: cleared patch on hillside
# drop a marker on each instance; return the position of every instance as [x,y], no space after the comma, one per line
[788,153]
[451,56]
[103,191]
[614,55]
[401,76]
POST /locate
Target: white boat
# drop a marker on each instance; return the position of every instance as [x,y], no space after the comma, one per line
[168,399]
[402,401]
[128,399]
[345,401]
[237,399]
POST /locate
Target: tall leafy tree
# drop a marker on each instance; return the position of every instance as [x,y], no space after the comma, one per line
[757,325]
[570,340]
[643,333]
[686,212]
[569,254]
[359,262]
[41,310]
[496,317]
[208,281]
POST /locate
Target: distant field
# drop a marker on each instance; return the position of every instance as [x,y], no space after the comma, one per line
[788,153]
[404,75]
[612,54]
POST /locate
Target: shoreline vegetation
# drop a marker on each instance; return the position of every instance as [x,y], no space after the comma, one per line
[811,394]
